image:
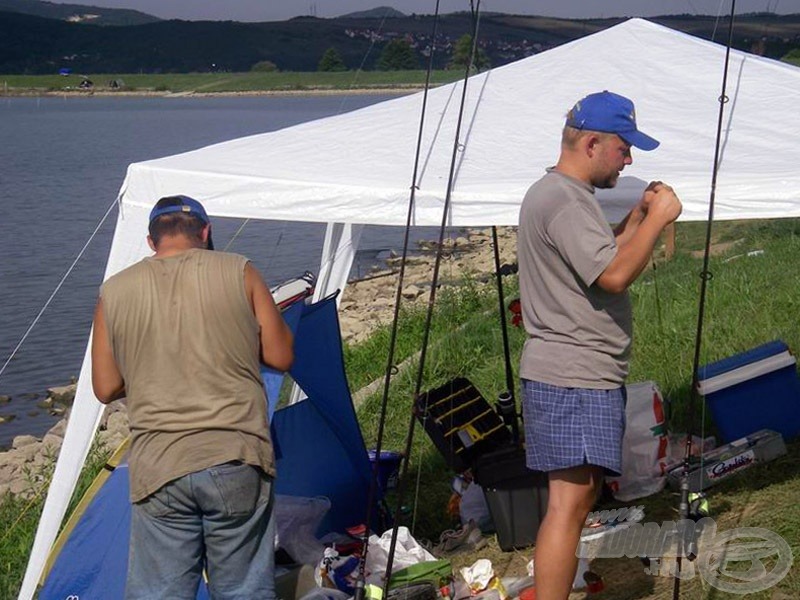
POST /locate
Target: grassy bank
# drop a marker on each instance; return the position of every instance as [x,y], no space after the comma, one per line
[752,298]
[223,82]
[20,518]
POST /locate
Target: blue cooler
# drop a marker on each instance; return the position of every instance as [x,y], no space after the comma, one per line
[388,468]
[757,389]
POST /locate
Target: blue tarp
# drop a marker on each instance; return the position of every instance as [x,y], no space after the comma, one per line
[319,449]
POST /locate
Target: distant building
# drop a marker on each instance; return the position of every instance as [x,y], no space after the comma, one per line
[82,18]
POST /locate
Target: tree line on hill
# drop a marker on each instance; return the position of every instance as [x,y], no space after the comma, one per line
[35,45]
[398,55]
[78,13]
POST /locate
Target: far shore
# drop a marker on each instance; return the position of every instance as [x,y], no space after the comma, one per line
[223,83]
[109,93]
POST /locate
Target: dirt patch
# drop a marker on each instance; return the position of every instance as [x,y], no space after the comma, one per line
[717,249]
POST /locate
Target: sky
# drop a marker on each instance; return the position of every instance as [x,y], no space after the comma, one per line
[280,10]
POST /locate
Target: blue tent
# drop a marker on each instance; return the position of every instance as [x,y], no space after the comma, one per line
[319,449]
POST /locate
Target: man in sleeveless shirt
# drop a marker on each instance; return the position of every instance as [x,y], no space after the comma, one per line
[574,273]
[182,334]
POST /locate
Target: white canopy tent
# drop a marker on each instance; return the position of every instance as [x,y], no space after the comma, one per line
[355,169]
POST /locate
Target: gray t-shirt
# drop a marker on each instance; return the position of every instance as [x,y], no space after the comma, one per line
[579,334]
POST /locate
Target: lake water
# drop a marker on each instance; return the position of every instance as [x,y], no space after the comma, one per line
[62,161]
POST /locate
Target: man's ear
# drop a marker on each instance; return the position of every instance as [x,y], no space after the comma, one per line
[591,141]
[205,233]
[151,243]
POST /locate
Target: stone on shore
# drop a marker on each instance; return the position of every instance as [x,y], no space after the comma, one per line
[64,394]
[410,292]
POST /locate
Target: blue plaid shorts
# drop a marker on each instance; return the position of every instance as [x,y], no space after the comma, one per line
[569,427]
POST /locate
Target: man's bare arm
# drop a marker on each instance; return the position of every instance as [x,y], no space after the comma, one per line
[107,380]
[276,337]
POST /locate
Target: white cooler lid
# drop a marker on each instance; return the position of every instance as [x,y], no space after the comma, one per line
[746,372]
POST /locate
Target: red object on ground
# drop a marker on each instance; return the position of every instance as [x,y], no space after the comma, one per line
[594,583]
[348,548]
[357,531]
[529,593]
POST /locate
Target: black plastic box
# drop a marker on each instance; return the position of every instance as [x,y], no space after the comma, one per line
[516,496]
[461,423]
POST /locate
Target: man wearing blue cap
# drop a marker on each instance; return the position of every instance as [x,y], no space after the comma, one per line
[574,271]
[181,335]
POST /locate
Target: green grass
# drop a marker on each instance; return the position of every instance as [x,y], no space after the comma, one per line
[750,300]
[20,518]
[227,82]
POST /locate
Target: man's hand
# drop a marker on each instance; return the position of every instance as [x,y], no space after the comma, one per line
[635,241]
[276,337]
[648,195]
[661,203]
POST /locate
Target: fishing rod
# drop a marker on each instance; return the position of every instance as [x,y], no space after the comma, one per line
[705,277]
[475,9]
[390,366]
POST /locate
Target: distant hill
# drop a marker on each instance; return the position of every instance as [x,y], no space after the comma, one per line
[77,13]
[375,13]
[33,45]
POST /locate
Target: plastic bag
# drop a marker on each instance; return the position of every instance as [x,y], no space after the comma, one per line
[340,572]
[645,446]
[407,552]
[473,507]
[480,578]
[296,520]
[320,593]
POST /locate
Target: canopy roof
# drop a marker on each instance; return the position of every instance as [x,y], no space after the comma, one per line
[357,167]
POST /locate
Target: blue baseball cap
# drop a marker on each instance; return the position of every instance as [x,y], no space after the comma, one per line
[182,204]
[179,204]
[610,113]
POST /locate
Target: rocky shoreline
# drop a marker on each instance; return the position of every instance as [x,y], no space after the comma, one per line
[369,302]
[366,304]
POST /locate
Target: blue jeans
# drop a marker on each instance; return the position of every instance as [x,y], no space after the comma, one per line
[220,519]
